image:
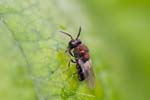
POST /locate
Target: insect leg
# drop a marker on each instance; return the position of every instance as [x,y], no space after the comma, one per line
[74,74]
[69,51]
[71,60]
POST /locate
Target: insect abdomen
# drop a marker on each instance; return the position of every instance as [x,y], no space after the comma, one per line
[81,76]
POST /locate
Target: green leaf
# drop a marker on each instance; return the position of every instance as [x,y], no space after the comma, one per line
[33,53]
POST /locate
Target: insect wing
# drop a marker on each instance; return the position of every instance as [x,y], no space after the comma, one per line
[88,72]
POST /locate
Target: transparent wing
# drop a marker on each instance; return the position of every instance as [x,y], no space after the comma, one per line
[88,72]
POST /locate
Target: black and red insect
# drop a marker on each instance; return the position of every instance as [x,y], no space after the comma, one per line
[80,52]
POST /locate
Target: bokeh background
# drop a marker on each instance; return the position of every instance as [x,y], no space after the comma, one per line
[32,57]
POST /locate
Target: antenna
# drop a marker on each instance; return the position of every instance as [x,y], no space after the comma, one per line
[67,34]
[78,33]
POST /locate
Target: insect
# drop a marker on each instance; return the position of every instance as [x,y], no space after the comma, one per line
[80,53]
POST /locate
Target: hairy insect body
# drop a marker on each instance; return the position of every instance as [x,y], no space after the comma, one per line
[81,52]
[82,59]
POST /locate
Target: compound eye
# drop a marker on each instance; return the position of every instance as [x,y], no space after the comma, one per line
[75,44]
[72,43]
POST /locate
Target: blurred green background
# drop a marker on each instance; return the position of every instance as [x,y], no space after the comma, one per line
[32,57]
